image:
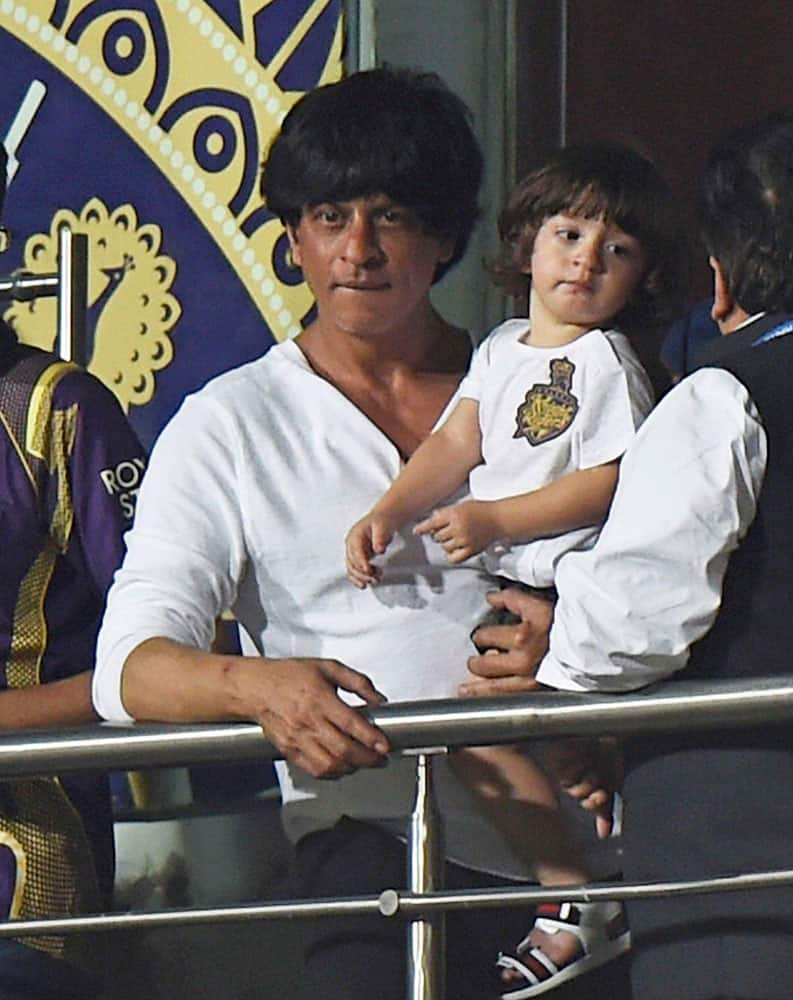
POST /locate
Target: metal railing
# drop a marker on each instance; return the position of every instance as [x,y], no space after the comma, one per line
[69,284]
[421,729]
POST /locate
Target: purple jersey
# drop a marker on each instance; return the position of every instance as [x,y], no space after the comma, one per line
[70,467]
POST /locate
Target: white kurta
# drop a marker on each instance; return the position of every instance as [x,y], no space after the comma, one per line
[545,412]
[249,494]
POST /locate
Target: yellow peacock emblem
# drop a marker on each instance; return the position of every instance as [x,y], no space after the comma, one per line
[131,310]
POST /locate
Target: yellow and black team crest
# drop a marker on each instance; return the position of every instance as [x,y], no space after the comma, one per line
[548,410]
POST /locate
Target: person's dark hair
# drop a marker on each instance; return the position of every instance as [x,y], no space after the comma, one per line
[600,181]
[747,213]
[399,132]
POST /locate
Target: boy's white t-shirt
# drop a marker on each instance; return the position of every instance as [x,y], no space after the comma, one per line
[545,412]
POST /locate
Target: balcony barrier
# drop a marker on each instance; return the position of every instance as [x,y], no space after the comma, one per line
[69,284]
[423,730]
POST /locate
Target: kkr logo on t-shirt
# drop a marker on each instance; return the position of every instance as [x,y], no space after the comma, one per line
[548,410]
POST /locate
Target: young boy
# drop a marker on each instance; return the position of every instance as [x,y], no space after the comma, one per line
[546,411]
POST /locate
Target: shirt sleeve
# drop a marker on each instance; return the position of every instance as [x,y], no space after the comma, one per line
[630,608]
[619,397]
[186,552]
[104,467]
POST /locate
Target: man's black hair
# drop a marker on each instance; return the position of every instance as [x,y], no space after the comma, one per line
[394,131]
[747,213]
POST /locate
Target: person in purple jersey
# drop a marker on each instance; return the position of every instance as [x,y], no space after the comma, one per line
[70,466]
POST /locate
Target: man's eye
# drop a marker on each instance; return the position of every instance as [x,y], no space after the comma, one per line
[328,216]
[394,217]
[618,249]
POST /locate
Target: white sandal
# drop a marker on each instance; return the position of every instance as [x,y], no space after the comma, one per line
[602,934]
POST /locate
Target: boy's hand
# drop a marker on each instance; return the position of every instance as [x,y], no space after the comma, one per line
[463,530]
[590,771]
[368,537]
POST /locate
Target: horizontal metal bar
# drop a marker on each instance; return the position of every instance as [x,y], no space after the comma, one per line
[411,905]
[675,706]
[390,903]
[22,286]
[337,907]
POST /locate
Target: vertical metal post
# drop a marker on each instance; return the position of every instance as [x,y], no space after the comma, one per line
[426,936]
[72,295]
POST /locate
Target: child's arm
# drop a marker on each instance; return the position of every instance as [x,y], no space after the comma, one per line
[573,501]
[437,467]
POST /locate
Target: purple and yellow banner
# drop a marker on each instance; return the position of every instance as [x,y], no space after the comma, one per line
[143,124]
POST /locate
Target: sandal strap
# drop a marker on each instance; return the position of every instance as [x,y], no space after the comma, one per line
[535,968]
[591,923]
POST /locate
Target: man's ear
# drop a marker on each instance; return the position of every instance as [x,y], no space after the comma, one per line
[723,302]
[294,245]
[446,249]
[726,311]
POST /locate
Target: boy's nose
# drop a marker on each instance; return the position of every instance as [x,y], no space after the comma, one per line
[589,256]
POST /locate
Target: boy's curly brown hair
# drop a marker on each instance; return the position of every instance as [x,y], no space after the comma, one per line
[605,181]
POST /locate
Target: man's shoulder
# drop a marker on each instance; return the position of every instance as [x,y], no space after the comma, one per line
[729,346]
[709,404]
[251,393]
[248,378]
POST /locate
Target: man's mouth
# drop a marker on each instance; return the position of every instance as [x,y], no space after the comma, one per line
[363,286]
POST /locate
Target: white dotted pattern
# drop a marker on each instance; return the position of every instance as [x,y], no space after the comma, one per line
[106,86]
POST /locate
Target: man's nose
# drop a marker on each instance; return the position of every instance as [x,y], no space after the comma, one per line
[361,241]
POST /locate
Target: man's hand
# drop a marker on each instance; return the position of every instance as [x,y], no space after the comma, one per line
[305,718]
[367,538]
[510,653]
[463,530]
[295,701]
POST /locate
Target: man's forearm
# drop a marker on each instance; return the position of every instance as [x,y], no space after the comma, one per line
[166,681]
[295,701]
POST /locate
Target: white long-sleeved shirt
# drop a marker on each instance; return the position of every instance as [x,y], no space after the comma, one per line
[246,503]
[630,608]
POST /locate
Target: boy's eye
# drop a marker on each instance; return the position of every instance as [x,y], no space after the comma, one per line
[568,235]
